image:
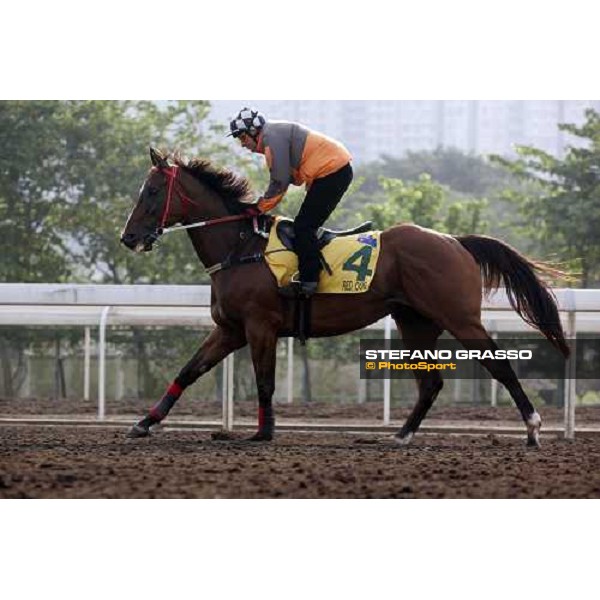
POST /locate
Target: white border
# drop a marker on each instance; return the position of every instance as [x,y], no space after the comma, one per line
[429,49]
[317,50]
[298,550]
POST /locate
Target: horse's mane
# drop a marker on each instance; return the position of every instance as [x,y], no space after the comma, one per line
[235,190]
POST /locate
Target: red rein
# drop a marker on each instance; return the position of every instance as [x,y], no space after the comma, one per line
[172,175]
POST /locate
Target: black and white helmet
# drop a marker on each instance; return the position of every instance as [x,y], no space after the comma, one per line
[248,121]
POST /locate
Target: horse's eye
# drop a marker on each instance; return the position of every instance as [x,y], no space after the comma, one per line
[152,191]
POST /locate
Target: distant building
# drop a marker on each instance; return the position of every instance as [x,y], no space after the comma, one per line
[373,128]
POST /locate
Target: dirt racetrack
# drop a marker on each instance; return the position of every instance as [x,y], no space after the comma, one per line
[99,462]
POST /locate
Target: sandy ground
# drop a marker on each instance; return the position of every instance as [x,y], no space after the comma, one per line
[95,462]
[100,462]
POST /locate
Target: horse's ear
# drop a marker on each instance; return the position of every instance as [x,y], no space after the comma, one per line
[158,160]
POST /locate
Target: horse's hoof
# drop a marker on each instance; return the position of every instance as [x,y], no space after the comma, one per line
[534,424]
[261,437]
[403,440]
[137,431]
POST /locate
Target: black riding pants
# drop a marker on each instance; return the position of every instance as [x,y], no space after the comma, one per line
[322,197]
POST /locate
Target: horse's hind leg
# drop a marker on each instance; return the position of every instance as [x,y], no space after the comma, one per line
[214,349]
[475,337]
[418,333]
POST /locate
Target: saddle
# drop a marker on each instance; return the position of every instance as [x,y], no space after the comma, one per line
[284,229]
[287,235]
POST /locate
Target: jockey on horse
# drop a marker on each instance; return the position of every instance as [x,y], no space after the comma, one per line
[296,154]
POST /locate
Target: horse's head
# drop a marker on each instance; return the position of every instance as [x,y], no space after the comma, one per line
[218,195]
[156,207]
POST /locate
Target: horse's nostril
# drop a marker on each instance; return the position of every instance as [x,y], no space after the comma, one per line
[128,239]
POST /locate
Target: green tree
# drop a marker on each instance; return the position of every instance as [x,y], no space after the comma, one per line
[69,176]
[32,185]
[426,203]
[562,211]
[108,161]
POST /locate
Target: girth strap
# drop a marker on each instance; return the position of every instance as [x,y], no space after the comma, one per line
[235,261]
[302,318]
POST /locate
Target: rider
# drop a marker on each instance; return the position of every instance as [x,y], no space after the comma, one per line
[296,154]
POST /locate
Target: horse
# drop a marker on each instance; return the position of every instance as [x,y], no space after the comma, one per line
[427,281]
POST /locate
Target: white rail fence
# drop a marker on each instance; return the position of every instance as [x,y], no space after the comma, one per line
[104,305]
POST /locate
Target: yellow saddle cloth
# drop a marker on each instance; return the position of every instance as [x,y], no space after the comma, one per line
[352,259]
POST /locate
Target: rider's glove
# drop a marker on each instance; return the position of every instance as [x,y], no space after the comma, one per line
[253,210]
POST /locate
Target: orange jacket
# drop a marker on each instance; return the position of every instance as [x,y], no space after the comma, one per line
[296,154]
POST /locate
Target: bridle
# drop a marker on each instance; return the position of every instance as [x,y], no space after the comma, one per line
[174,187]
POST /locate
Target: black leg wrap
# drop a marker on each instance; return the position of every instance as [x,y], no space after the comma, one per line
[160,410]
[266,426]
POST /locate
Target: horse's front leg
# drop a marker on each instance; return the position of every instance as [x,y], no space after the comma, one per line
[220,343]
[262,337]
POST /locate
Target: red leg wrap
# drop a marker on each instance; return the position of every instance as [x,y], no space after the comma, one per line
[175,390]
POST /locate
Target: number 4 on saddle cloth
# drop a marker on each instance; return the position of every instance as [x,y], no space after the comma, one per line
[351,257]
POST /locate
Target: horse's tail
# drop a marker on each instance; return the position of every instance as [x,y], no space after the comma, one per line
[529,296]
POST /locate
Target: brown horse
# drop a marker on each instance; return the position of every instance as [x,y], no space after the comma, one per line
[427,281]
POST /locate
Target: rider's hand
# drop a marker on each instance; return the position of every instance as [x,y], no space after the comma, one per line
[253,210]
